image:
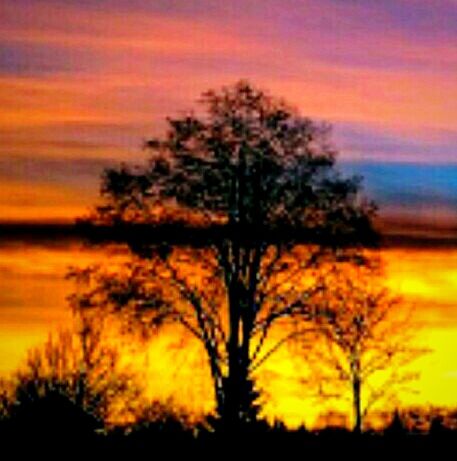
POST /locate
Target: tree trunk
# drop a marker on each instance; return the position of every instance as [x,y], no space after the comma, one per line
[231,410]
[357,405]
[241,265]
[238,409]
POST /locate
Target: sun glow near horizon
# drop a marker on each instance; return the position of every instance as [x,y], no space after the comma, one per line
[176,366]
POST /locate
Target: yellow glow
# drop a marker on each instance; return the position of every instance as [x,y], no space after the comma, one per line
[33,302]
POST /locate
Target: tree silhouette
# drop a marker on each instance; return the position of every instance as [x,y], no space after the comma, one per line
[364,340]
[224,221]
[76,370]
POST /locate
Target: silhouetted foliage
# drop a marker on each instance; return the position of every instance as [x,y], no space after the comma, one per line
[396,428]
[6,392]
[41,409]
[72,383]
[423,420]
[234,208]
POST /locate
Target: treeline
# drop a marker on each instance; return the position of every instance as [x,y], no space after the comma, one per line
[73,388]
[37,410]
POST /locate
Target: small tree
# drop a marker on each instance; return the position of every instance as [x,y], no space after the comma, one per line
[234,206]
[81,368]
[363,340]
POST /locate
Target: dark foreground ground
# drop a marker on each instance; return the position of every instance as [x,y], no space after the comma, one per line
[159,442]
[55,425]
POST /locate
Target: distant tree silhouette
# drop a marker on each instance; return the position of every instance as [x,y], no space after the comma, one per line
[164,420]
[422,420]
[396,427]
[234,208]
[5,398]
[364,340]
[332,420]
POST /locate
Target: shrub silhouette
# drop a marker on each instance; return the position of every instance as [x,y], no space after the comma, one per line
[41,409]
[70,386]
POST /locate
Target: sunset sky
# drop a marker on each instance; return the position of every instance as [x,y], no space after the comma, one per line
[83,83]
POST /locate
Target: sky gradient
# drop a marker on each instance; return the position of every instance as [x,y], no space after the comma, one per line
[83,83]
